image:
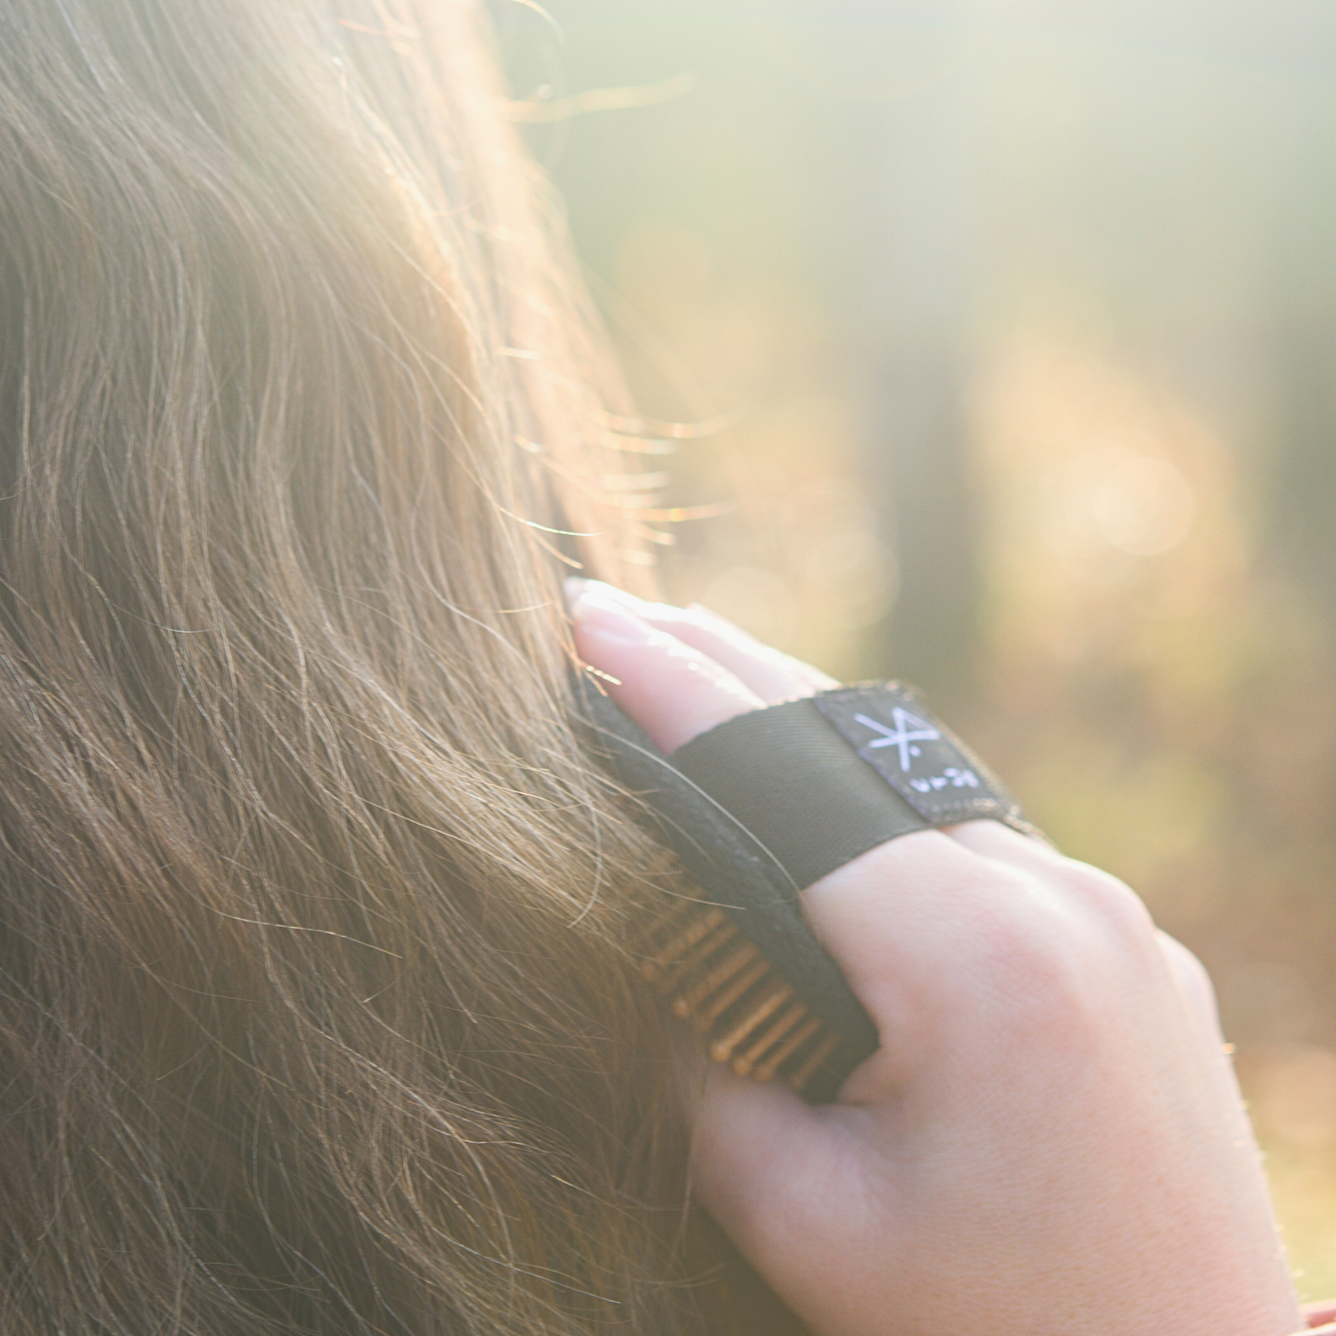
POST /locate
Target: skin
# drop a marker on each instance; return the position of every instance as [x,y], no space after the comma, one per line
[1050,1138]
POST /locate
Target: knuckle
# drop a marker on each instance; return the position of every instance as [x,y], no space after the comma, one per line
[1063,952]
[1118,906]
[1021,930]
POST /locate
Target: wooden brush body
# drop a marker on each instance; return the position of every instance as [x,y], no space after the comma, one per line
[720,983]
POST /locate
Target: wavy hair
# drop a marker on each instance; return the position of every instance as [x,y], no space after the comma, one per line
[315,1010]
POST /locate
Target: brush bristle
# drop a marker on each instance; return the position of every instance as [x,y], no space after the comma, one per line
[720,983]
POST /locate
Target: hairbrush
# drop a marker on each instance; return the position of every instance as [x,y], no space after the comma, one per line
[756,810]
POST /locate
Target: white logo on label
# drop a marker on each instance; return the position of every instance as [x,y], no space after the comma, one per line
[908,729]
[958,779]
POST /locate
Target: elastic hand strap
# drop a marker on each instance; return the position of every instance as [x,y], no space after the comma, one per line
[819,781]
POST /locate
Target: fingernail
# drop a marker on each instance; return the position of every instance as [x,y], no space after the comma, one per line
[597,613]
[577,584]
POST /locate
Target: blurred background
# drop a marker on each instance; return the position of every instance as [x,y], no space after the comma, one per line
[1009,327]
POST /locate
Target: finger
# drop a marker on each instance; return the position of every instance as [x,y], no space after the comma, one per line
[741,1132]
[895,915]
[673,691]
[739,651]
[1033,854]
[1093,886]
[994,840]
[772,675]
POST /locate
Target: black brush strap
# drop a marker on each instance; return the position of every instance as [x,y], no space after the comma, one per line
[819,781]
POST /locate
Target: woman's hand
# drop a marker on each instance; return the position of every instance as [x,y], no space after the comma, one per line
[1050,1138]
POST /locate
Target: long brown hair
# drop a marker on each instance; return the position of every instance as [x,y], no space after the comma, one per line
[313,1011]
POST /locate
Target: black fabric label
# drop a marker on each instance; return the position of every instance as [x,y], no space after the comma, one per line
[926,764]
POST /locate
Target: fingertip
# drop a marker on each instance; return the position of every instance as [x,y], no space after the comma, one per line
[600,617]
[673,691]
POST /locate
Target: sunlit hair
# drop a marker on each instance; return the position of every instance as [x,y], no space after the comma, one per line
[313,1011]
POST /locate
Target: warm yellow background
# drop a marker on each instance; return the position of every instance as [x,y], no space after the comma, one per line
[1022,319]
